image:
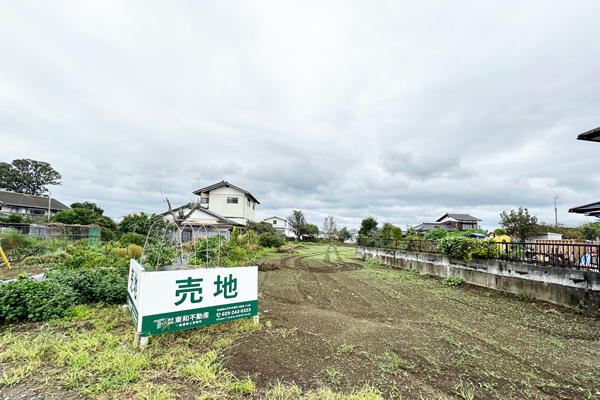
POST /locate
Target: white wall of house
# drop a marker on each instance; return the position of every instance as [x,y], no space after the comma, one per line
[241,212]
[200,217]
[548,236]
[281,225]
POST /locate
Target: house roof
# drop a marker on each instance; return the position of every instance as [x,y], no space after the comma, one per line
[593,135]
[275,217]
[226,184]
[427,226]
[460,217]
[220,218]
[27,200]
[592,209]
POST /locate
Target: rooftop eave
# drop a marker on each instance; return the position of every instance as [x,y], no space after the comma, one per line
[590,136]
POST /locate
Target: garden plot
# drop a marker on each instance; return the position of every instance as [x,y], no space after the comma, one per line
[332,327]
[344,323]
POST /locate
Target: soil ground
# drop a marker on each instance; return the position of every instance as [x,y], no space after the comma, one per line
[344,323]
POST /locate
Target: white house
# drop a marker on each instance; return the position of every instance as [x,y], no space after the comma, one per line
[203,223]
[281,226]
[229,201]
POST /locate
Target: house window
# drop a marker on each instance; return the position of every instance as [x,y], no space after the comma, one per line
[253,206]
[37,212]
[14,209]
[248,203]
[274,222]
[232,200]
[204,200]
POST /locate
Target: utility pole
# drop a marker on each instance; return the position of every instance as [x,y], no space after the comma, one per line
[49,203]
[555,212]
[198,179]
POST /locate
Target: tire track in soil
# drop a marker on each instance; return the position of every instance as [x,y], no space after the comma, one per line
[419,325]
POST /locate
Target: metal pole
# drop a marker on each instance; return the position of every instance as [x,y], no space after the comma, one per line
[555,212]
[49,203]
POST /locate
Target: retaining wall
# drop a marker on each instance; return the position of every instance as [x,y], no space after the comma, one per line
[567,287]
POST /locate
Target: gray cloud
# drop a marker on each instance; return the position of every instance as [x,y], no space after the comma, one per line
[399,110]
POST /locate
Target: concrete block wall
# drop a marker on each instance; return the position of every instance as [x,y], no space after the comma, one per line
[563,286]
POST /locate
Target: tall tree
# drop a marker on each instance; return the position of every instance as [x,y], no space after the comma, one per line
[386,231]
[519,223]
[368,227]
[88,205]
[28,176]
[297,222]
[344,234]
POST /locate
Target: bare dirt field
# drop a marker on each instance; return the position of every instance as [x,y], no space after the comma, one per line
[344,323]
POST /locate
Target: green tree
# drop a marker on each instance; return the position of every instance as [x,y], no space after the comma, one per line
[81,216]
[88,205]
[436,234]
[396,233]
[343,234]
[28,176]
[297,222]
[260,227]
[386,231]
[519,223]
[312,231]
[140,223]
[235,234]
[589,231]
[368,227]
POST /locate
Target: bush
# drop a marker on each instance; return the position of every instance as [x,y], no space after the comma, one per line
[52,258]
[436,234]
[467,249]
[13,219]
[82,258]
[271,240]
[92,285]
[499,232]
[34,300]
[131,251]
[133,238]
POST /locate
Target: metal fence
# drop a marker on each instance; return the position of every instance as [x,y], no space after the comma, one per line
[423,246]
[578,256]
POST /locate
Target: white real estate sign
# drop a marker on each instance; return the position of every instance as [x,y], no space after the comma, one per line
[168,301]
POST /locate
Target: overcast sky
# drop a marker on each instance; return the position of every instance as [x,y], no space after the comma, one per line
[400,110]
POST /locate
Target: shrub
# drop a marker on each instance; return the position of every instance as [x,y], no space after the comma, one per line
[158,257]
[499,232]
[133,238]
[436,234]
[92,285]
[467,249]
[452,281]
[13,240]
[13,219]
[52,258]
[82,258]
[523,295]
[271,240]
[131,251]
[34,300]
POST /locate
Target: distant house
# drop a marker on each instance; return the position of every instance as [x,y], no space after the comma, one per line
[282,227]
[26,204]
[427,226]
[459,222]
[354,233]
[228,201]
[203,223]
